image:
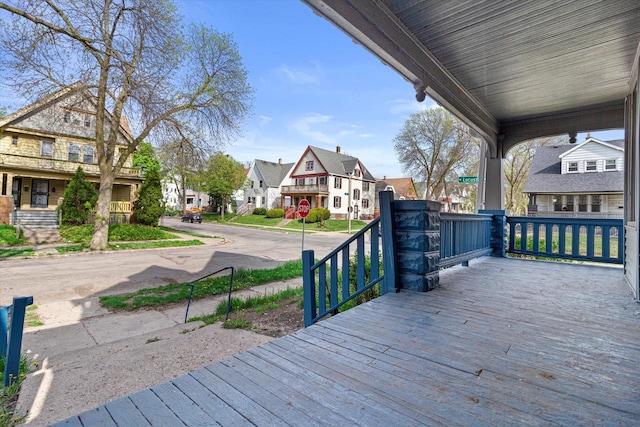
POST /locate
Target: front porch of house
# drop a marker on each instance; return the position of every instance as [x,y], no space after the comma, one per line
[501,342]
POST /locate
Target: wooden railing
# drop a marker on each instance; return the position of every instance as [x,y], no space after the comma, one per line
[582,239]
[56,164]
[463,237]
[305,189]
[120,206]
[334,287]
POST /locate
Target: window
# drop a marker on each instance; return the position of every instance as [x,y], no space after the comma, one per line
[591,166]
[365,203]
[570,203]
[300,182]
[260,183]
[595,203]
[14,140]
[557,203]
[322,180]
[356,194]
[312,181]
[47,149]
[309,165]
[87,120]
[189,200]
[610,165]
[582,203]
[263,200]
[337,202]
[74,153]
[356,173]
[338,183]
[365,186]
[67,117]
[87,154]
[573,167]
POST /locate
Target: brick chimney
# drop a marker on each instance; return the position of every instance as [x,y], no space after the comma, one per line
[338,149]
[279,161]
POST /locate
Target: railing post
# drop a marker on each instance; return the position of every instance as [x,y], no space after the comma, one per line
[14,346]
[388,242]
[499,242]
[417,240]
[309,288]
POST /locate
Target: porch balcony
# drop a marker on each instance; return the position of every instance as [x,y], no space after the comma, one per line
[58,165]
[317,189]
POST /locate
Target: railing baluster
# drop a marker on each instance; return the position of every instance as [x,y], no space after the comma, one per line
[322,287]
[346,293]
[360,263]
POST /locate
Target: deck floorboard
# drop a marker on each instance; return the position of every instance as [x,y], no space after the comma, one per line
[501,342]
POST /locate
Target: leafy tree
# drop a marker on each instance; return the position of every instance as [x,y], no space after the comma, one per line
[145,158]
[148,208]
[516,171]
[222,177]
[79,199]
[435,147]
[137,60]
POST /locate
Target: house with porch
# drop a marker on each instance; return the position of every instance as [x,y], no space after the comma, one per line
[584,180]
[496,340]
[334,181]
[41,147]
[265,183]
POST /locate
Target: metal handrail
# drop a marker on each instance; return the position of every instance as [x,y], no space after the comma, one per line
[192,285]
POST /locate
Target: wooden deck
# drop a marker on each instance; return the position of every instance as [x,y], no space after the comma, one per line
[502,342]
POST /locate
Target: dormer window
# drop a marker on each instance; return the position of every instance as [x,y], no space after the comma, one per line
[610,165]
[14,140]
[67,117]
[309,165]
[572,167]
[591,166]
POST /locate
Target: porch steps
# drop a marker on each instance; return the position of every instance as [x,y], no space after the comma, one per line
[41,235]
[36,219]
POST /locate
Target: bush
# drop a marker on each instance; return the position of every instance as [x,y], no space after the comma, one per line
[275,213]
[148,208]
[317,215]
[79,199]
[260,211]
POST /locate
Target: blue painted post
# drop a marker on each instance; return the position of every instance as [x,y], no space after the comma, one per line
[309,288]
[417,240]
[388,242]
[12,361]
[4,328]
[499,242]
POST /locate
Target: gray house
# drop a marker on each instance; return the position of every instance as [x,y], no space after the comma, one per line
[577,180]
[265,181]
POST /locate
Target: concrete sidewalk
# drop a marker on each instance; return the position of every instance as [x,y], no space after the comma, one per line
[88,356]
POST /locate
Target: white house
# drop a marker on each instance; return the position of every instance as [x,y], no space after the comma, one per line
[583,180]
[332,180]
[265,182]
[172,197]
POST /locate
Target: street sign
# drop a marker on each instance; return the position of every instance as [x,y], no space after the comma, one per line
[303,208]
[468,179]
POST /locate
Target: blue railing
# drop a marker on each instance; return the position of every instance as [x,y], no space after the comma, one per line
[333,288]
[463,237]
[11,336]
[582,239]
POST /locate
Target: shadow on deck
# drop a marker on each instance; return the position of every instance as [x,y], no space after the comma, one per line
[502,342]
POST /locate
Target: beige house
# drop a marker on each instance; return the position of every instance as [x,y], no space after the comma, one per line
[41,147]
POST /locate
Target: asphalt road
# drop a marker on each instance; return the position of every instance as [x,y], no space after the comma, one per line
[79,276]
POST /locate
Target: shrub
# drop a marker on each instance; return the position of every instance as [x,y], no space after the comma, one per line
[275,213]
[80,197]
[148,208]
[317,215]
[259,211]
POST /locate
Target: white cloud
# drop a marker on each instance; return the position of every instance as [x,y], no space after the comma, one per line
[321,128]
[366,135]
[410,106]
[264,120]
[299,75]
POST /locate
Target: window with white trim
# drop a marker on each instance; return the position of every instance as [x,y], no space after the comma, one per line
[337,201]
[356,194]
[338,182]
[356,173]
[87,120]
[46,149]
[582,203]
[74,153]
[322,180]
[308,166]
[87,154]
[596,201]
[610,165]
[300,182]
[591,166]
[14,140]
[572,167]
[67,116]
[365,203]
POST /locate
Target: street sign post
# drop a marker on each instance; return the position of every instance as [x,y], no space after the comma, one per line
[303,211]
[467,179]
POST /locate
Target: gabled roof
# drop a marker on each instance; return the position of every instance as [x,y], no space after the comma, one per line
[545,175]
[616,145]
[339,164]
[273,173]
[402,185]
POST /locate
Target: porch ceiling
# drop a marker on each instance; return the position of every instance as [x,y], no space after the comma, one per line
[512,70]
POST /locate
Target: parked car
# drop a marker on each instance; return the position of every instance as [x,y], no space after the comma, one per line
[192,217]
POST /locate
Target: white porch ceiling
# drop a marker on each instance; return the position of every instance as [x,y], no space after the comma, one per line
[511,69]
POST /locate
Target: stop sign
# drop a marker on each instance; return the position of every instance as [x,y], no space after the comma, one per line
[303,208]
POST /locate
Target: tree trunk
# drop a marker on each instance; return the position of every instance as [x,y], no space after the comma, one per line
[222,209]
[100,240]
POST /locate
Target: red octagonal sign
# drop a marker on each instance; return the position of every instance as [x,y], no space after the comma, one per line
[303,208]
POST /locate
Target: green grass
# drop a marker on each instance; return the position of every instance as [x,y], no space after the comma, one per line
[173,293]
[9,395]
[8,236]
[329,225]
[256,220]
[117,232]
[6,253]
[31,317]
[189,233]
[151,245]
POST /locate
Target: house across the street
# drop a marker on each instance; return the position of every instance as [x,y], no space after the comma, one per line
[577,180]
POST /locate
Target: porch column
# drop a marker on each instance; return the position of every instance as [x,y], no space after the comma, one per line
[417,243]
[499,242]
[494,186]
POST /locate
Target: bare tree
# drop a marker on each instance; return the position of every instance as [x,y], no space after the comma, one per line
[136,60]
[516,171]
[435,147]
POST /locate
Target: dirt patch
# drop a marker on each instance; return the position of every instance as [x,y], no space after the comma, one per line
[276,321]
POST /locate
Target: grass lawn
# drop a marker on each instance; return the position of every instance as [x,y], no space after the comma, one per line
[329,225]
[117,232]
[256,220]
[8,236]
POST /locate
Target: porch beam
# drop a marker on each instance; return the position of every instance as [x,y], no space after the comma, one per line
[588,119]
[371,24]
